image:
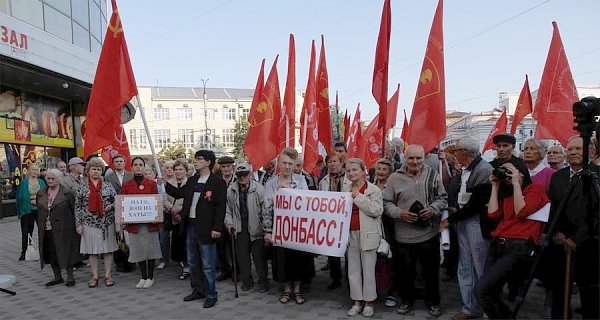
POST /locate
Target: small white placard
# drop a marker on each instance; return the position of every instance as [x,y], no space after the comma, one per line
[541,215]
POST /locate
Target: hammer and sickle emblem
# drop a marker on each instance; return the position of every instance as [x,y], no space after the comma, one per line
[426,76]
[117,27]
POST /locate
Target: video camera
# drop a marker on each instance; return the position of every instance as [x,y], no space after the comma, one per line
[501,173]
[586,113]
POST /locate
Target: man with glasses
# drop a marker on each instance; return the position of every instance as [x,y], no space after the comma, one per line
[243,220]
[204,215]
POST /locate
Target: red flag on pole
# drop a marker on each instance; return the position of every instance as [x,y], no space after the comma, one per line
[322,87]
[428,119]
[114,85]
[309,122]
[404,134]
[354,135]
[289,101]
[370,145]
[119,146]
[382,59]
[392,111]
[524,107]
[499,127]
[346,125]
[556,95]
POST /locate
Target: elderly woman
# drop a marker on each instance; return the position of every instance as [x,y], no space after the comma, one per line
[334,180]
[26,204]
[144,246]
[365,233]
[297,264]
[95,220]
[173,205]
[533,154]
[59,242]
[165,230]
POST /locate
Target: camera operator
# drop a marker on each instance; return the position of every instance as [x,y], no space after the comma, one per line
[513,198]
[577,231]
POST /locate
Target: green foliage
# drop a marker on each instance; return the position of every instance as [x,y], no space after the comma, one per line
[240,133]
[170,152]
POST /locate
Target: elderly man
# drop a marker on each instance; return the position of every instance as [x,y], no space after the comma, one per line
[227,165]
[505,146]
[576,230]
[74,179]
[470,222]
[398,144]
[415,197]
[556,157]
[62,167]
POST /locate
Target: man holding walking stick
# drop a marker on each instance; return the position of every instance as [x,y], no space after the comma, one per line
[243,221]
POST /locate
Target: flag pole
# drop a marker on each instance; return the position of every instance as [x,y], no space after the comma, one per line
[154,157]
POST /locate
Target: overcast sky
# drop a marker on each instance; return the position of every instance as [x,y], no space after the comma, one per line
[490,45]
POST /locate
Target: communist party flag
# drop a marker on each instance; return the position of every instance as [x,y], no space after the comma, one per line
[499,127]
[354,135]
[556,95]
[524,106]
[258,120]
[428,120]
[392,111]
[370,145]
[382,60]
[322,90]
[346,126]
[289,102]
[119,146]
[404,134]
[114,85]
[309,124]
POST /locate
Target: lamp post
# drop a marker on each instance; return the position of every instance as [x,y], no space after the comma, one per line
[206,134]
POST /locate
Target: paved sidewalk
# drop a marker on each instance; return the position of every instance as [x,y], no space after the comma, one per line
[164,299]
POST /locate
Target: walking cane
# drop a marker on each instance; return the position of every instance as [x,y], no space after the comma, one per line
[567,286]
[234,276]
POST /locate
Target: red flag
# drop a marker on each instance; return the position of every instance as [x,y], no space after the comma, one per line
[370,145]
[354,135]
[499,127]
[404,134]
[289,101]
[309,124]
[346,125]
[382,59]
[524,107]
[556,95]
[428,120]
[322,87]
[118,146]
[114,85]
[392,111]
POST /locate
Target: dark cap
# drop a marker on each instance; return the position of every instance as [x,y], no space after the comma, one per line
[504,137]
[226,160]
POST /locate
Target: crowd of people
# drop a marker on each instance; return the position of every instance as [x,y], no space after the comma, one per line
[408,198]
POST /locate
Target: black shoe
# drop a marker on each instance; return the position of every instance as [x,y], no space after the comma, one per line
[22,257]
[210,302]
[54,282]
[247,286]
[195,295]
[70,283]
[263,287]
[334,285]
[223,276]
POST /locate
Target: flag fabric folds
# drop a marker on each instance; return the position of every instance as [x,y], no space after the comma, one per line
[309,121]
[370,145]
[556,95]
[288,114]
[404,134]
[499,127]
[354,135]
[428,119]
[114,85]
[119,146]
[392,111]
[322,92]
[382,60]
[346,126]
[524,106]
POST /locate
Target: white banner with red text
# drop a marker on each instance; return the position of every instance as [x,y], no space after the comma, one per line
[312,221]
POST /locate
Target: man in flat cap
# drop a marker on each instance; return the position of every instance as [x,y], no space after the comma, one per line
[505,145]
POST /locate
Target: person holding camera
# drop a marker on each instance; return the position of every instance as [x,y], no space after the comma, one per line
[513,198]
[415,197]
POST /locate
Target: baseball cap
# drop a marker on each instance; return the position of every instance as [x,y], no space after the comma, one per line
[76,160]
[243,167]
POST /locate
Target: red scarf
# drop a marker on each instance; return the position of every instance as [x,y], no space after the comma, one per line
[95,202]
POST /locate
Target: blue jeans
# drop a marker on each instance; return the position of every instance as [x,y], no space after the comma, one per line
[472,254]
[202,259]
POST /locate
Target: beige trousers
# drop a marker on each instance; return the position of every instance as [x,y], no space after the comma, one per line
[361,270]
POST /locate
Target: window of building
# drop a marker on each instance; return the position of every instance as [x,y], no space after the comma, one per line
[228,137]
[63,6]
[245,113]
[133,141]
[95,21]
[184,114]
[80,12]
[186,136]
[81,37]
[211,114]
[57,24]
[138,139]
[31,12]
[228,114]
[162,138]
[161,113]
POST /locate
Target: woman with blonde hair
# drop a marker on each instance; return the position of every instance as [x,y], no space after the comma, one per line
[26,204]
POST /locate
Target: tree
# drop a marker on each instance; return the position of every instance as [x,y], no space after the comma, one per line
[170,152]
[240,133]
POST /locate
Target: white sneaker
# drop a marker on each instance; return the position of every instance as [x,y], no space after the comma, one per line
[140,283]
[368,311]
[161,266]
[148,283]
[354,310]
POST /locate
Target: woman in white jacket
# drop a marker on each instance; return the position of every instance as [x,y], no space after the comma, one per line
[365,234]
